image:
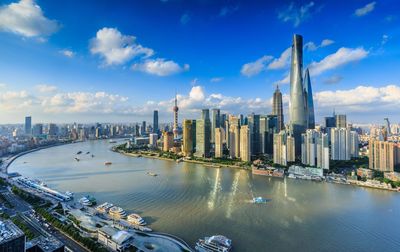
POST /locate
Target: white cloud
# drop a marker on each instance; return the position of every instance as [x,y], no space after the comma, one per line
[311,46]
[26,18]
[385,39]
[295,14]
[160,67]
[3,85]
[67,53]
[256,67]
[43,88]
[365,9]
[282,61]
[216,79]
[285,80]
[341,57]
[116,48]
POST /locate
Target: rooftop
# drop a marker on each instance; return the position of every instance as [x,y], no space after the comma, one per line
[9,231]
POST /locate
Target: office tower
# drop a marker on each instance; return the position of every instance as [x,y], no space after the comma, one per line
[384,156]
[254,128]
[187,145]
[219,136]
[309,100]
[234,141]
[168,140]
[175,109]
[52,129]
[387,126]
[290,149]
[153,137]
[205,114]
[203,138]
[37,130]
[222,120]
[298,102]
[241,120]
[280,152]
[277,108]
[344,144]
[245,143]
[215,123]
[28,125]
[354,144]
[263,134]
[155,121]
[340,121]
[12,238]
[143,128]
[330,121]
[315,149]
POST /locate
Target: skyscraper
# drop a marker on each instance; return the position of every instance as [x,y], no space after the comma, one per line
[219,136]
[245,143]
[175,109]
[155,121]
[215,123]
[341,121]
[168,140]
[28,125]
[384,156]
[203,137]
[298,107]
[277,108]
[254,130]
[187,145]
[310,102]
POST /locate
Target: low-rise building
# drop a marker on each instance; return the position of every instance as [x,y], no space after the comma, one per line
[12,239]
[365,173]
[114,239]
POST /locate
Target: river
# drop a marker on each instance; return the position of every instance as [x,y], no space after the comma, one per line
[192,201]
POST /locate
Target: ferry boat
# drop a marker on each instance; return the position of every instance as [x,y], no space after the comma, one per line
[88,152]
[117,212]
[216,243]
[108,163]
[85,201]
[259,200]
[135,219]
[79,152]
[77,159]
[103,208]
[270,171]
[152,174]
[69,194]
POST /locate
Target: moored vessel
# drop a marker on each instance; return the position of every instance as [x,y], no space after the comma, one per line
[135,219]
[117,213]
[215,243]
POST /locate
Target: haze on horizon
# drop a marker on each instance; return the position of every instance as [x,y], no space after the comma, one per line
[117,61]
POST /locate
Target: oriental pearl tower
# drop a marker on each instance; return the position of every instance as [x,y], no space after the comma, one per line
[175,109]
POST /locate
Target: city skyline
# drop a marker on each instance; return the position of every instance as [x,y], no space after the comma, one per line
[58,70]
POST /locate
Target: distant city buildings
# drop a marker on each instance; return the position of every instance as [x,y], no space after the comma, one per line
[219,142]
[28,125]
[155,121]
[344,144]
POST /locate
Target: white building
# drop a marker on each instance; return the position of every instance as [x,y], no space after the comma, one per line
[315,149]
[114,239]
[344,144]
[153,139]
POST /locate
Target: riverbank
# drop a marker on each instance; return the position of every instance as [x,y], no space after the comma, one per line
[204,163]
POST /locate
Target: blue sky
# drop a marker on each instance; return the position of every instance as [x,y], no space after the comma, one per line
[110,61]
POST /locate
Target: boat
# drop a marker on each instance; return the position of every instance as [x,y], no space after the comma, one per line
[103,208]
[85,201]
[77,159]
[259,200]
[88,152]
[108,163]
[135,219]
[79,152]
[112,141]
[92,155]
[215,243]
[117,212]
[69,194]
[152,174]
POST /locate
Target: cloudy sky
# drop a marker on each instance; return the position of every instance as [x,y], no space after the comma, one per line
[114,61]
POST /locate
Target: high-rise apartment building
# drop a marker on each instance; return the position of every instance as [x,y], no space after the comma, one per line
[245,143]
[234,141]
[168,140]
[384,156]
[219,143]
[344,144]
[315,149]
[280,153]
[153,137]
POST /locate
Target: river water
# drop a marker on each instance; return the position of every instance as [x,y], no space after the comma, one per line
[193,201]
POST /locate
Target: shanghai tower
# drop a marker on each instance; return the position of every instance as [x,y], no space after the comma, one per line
[298,101]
